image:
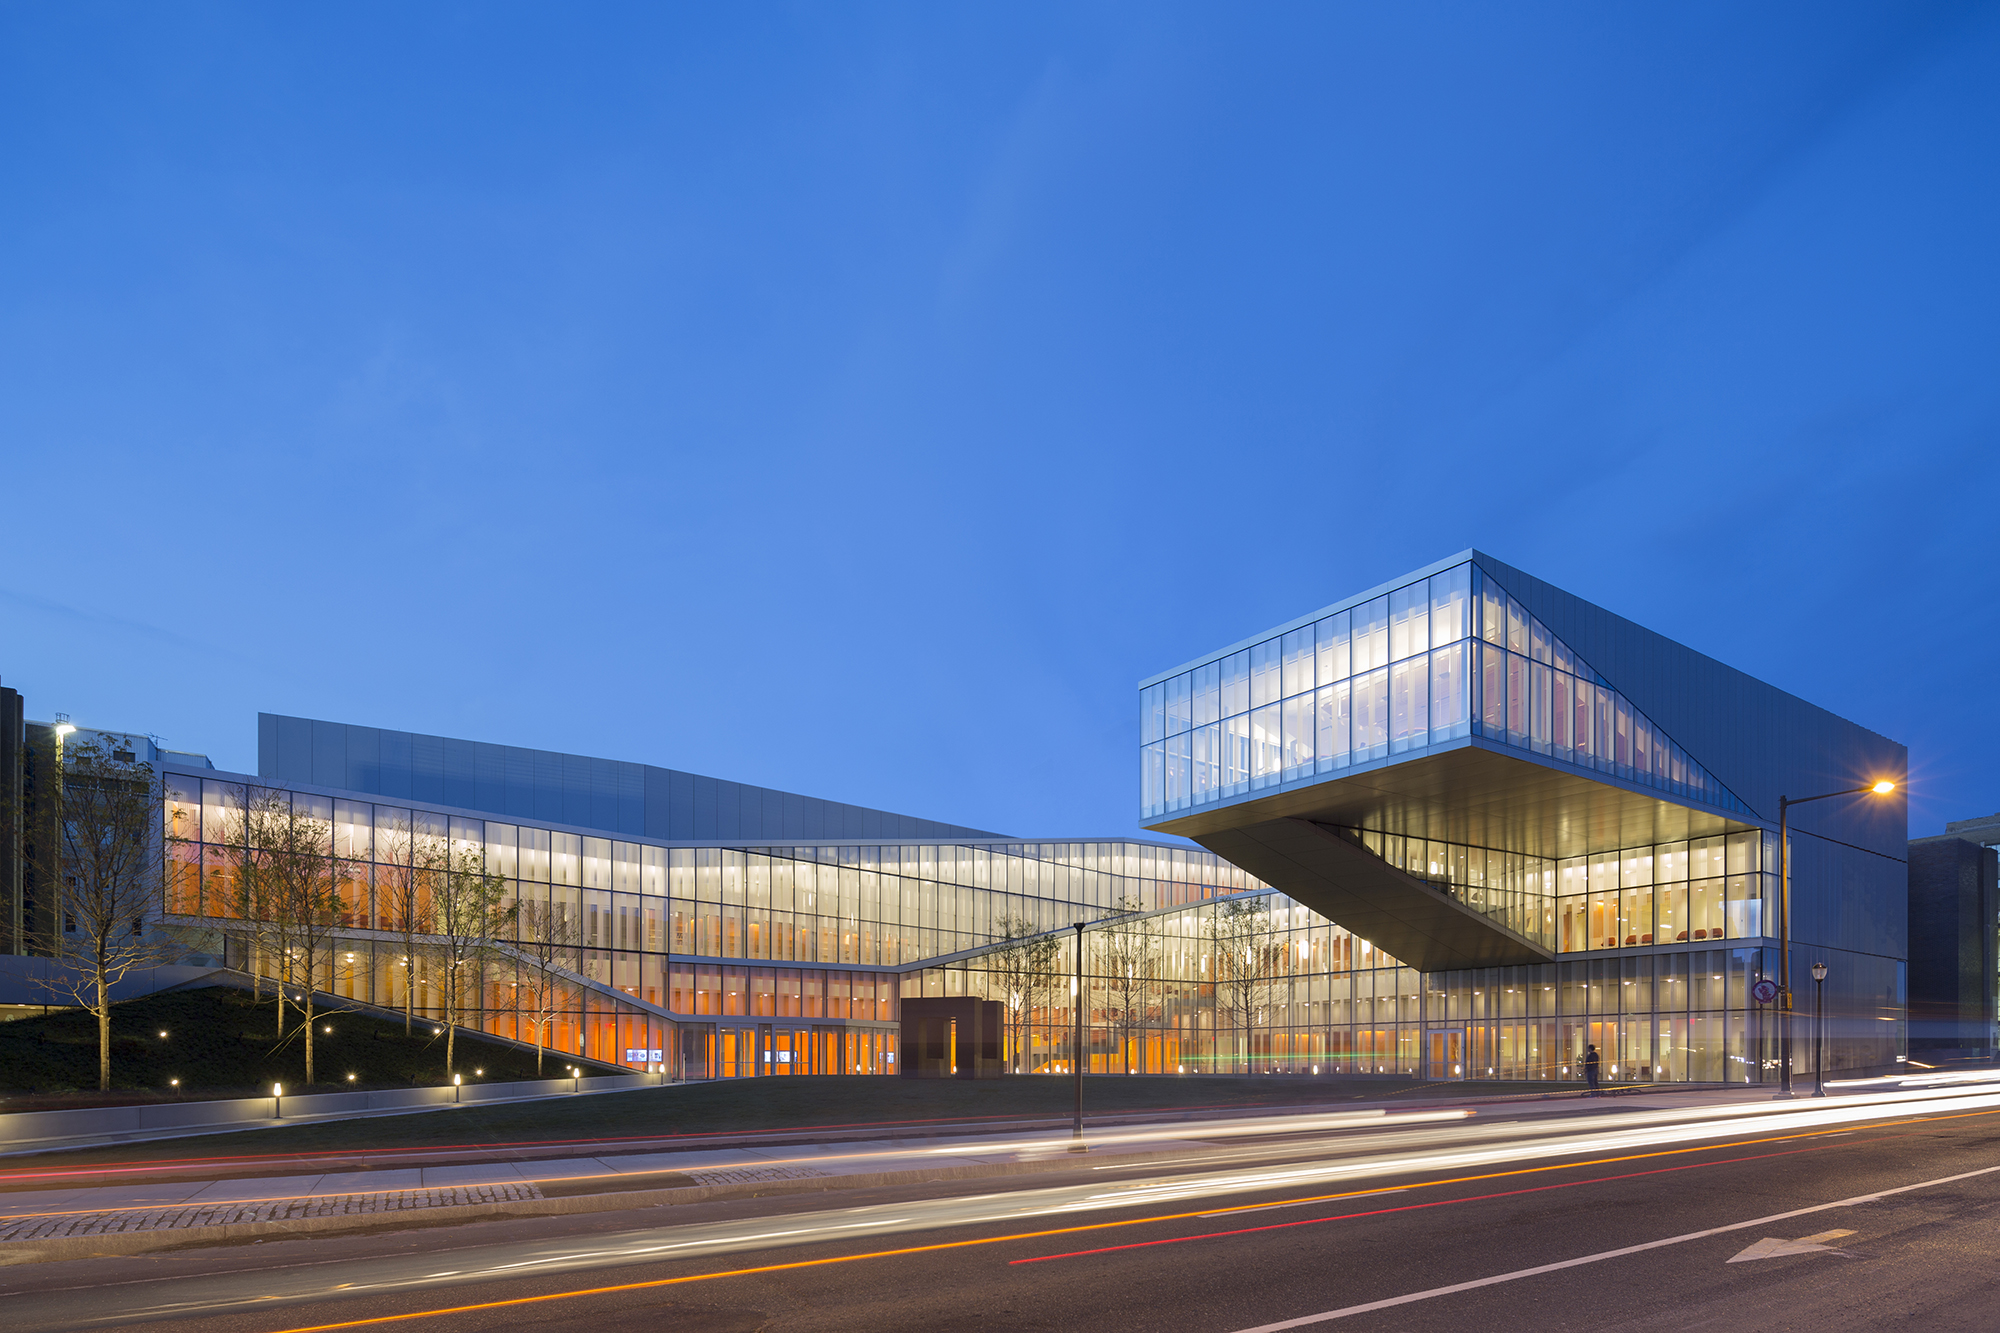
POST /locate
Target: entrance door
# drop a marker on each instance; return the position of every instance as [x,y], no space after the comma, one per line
[1447,1054]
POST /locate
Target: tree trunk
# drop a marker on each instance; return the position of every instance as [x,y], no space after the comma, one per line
[309,1022]
[278,976]
[450,1018]
[409,985]
[103,1034]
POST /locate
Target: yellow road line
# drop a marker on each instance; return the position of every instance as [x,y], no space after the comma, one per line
[654,1283]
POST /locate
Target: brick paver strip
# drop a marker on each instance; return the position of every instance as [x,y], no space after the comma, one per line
[750,1175]
[176,1218]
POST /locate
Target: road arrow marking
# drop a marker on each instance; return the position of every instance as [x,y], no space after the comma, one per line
[1770,1248]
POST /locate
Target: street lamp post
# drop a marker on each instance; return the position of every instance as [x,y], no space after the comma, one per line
[1819,1029]
[1076,1042]
[1785,804]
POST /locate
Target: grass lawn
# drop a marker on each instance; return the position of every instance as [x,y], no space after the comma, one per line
[734,1105]
[219,1044]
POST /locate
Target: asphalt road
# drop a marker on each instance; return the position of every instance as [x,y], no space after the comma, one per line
[1611,1220]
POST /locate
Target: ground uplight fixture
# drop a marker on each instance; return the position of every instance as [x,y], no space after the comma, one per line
[163,1034]
[173,1083]
[350,1078]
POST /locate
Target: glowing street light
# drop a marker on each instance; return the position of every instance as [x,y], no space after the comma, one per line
[1880,787]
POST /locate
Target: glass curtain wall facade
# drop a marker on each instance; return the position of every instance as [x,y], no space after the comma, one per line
[1253,982]
[1434,661]
[707,960]
[743,961]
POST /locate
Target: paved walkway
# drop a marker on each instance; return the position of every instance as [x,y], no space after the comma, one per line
[61,1224]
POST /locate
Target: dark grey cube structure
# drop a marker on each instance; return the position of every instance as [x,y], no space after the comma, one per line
[956,1037]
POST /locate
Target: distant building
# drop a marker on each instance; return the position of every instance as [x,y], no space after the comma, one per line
[1955,941]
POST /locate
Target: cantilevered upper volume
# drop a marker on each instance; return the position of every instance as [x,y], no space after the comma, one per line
[1371,759]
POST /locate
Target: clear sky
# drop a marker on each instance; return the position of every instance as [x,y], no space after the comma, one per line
[860,399]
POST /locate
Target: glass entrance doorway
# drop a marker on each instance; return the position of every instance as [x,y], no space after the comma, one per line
[782,1050]
[1447,1054]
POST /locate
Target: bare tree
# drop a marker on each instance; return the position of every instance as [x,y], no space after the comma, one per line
[410,862]
[310,894]
[469,914]
[103,860]
[251,884]
[1241,963]
[260,892]
[285,895]
[1128,959]
[546,954]
[1022,970]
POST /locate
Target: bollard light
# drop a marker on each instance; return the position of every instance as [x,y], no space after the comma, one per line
[277,1101]
[455,1081]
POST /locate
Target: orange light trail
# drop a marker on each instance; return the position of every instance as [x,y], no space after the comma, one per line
[656,1283]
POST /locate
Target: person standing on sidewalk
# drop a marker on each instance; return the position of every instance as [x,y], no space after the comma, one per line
[1590,1063]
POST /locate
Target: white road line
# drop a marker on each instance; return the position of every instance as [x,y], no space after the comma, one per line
[1303,1320]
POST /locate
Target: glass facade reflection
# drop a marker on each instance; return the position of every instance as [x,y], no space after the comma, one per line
[730,961]
[1431,662]
[1652,946]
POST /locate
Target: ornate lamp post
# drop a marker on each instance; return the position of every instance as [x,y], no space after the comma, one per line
[1076,1042]
[1819,1029]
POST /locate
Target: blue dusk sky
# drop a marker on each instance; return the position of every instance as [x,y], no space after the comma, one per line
[861,399]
